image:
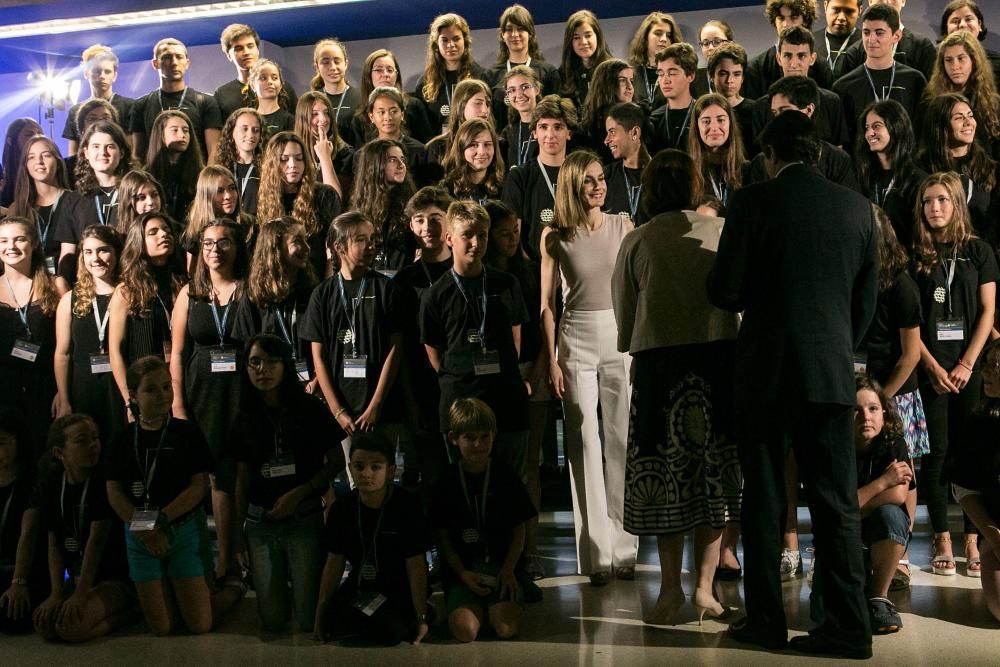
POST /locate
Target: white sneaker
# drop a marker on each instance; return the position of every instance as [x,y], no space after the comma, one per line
[791,564]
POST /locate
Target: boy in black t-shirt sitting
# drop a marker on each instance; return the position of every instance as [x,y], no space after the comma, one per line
[479,514]
[379,529]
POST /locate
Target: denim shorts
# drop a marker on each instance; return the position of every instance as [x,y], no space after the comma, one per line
[186,556]
[886,522]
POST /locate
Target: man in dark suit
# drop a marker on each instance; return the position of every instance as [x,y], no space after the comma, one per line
[798,257]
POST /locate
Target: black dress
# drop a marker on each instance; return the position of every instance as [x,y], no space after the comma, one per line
[149,333]
[94,394]
[282,320]
[212,398]
[29,386]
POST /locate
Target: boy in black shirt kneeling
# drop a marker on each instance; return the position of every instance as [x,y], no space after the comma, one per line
[479,514]
[379,529]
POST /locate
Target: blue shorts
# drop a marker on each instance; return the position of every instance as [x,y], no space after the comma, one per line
[886,522]
[188,555]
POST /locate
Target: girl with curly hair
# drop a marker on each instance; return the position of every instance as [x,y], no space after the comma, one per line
[241,147]
[381,190]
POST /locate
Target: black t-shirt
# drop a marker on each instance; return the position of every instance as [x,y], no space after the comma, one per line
[764,70]
[439,109]
[896,195]
[326,206]
[829,117]
[234,95]
[201,109]
[279,121]
[183,454]
[283,320]
[898,307]
[82,211]
[451,323]
[670,128]
[302,433]
[123,105]
[248,182]
[913,50]
[527,193]
[518,144]
[344,105]
[647,88]
[624,189]
[873,461]
[976,265]
[838,47]
[418,164]
[376,318]
[857,91]
[401,534]
[472,532]
[19,495]
[68,513]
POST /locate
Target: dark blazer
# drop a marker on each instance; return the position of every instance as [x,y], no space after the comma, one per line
[798,256]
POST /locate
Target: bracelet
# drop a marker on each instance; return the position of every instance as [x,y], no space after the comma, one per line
[20,581]
[336,415]
[964,365]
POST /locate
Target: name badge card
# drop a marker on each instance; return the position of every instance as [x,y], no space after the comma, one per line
[951,329]
[302,370]
[143,520]
[99,364]
[50,265]
[368,603]
[25,350]
[278,466]
[486,362]
[356,367]
[223,361]
[860,362]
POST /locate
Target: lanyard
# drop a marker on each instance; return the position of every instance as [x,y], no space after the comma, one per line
[474,306]
[831,60]
[478,512]
[78,519]
[340,104]
[220,325]
[100,207]
[287,331]
[871,81]
[633,193]
[881,196]
[448,89]
[683,129]
[371,549]
[276,428]
[22,311]
[651,88]
[423,265]
[6,510]
[102,322]
[148,472]
[950,275]
[43,232]
[523,148]
[720,189]
[180,104]
[708,80]
[352,309]
[545,175]
[170,325]
[527,64]
[968,190]
[244,180]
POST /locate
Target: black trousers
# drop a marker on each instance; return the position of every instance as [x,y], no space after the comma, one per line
[822,438]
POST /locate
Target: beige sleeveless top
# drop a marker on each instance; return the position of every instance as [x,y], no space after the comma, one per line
[587,261]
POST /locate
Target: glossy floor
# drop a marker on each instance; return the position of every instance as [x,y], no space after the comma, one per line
[944,619]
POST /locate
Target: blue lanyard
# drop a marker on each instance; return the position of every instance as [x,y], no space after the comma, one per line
[220,325]
[632,193]
[350,309]
[180,104]
[22,311]
[473,305]
[285,328]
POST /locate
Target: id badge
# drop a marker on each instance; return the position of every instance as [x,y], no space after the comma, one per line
[388,273]
[356,367]
[25,350]
[368,603]
[100,363]
[276,466]
[50,265]
[143,520]
[486,362]
[168,347]
[951,329]
[223,360]
[860,363]
[302,370]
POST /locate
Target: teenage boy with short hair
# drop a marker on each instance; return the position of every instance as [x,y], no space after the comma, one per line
[764,69]
[530,189]
[171,62]
[913,50]
[470,324]
[623,177]
[727,67]
[100,68]
[241,45]
[676,67]
[879,77]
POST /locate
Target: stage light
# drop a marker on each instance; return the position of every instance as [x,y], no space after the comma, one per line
[53,92]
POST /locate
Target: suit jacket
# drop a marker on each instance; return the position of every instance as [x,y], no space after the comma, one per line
[798,256]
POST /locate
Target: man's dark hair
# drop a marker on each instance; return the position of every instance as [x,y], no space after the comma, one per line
[628,115]
[882,12]
[792,137]
[728,51]
[797,36]
[379,444]
[799,90]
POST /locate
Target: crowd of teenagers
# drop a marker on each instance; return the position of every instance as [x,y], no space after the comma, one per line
[221,303]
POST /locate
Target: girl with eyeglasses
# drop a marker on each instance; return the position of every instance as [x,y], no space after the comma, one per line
[381,69]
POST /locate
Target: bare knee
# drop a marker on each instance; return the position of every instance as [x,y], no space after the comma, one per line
[160,627]
[464,625]
[506,630]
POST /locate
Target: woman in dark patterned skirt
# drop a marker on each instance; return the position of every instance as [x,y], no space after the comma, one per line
[681,470]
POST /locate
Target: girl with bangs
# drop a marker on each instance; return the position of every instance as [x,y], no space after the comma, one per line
[141,193]
[288,187]
[330,63]
[956,274]
[656,32]
[316,125]
[29,298]
[381,70]
[280,283]
[474,168]
[241,147]
[449,61]
[380,194]
[174,159]
[716,146]
[82,363]
[584,48]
